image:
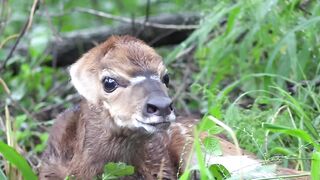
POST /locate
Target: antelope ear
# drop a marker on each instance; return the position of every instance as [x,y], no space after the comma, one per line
[85,80]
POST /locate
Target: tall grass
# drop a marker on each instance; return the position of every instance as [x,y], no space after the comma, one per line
[257,61]
[16,166]
[254,58]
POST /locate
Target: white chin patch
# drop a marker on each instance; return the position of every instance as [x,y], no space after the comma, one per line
[156,119]
[137,121]
[148,128]
[134,124]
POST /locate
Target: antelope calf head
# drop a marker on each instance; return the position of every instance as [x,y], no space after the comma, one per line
[128,79]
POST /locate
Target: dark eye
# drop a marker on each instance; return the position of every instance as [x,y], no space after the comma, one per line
[165,79]
[109,84]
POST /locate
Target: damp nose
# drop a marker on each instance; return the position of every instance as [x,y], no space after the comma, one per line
[158,106]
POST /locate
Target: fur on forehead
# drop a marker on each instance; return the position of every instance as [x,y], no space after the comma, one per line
[119,53]
[133,56]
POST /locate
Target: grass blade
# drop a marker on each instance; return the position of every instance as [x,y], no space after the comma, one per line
[315,166]
[293,132]
[16,159]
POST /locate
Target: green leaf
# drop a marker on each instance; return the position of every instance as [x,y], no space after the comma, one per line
[19,120]
[44,138]
[185,175]
[72,177]
[293,132]
[212,146]
[292,102]
[231,19]
[315,166]
[40,37]
[19,92]
[16,159]
[200,156]
[219,171]
[283,151]
[115,170]
[209,126]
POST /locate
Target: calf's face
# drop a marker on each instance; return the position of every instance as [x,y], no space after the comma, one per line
[127,78]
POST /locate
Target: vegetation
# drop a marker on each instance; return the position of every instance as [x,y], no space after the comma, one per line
[254,65]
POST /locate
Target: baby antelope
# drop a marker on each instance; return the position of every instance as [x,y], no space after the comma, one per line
[125,115]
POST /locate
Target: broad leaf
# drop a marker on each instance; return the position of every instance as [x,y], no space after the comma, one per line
[219,171]
[115,170]
[17,160]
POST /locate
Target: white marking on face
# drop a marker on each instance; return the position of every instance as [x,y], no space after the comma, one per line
[155,77]
[132,123]
[135,118]
[156,119]
[137,80]
[148,128]
[140,121]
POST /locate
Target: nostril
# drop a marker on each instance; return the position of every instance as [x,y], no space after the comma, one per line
[158,106]
[151,109]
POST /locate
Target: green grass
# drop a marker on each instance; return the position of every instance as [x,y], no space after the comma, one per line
[255,66]
[250,60]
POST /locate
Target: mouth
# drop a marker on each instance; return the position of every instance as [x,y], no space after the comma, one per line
[158,125]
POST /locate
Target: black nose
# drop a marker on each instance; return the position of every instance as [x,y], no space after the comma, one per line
[159,106]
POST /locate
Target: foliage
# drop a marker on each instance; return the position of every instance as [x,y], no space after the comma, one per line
[16,159]
[263,57]
[219,171]
[252,63]
[116,170]
[315,166]
[315,170]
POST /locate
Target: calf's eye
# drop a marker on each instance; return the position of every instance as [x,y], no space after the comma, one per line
[165,79]
[109,84]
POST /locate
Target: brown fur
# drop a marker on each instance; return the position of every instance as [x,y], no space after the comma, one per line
[87,137]
[81,146]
